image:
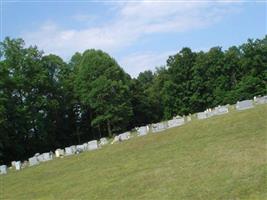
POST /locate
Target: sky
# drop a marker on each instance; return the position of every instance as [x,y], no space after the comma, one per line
[140,35]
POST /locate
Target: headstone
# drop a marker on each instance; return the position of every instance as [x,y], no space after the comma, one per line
[40,158]
[177,121]
[47,156]
[13,163]
[85,146]
[18,165]
[92,145]
[143,130]
[3,169]
[116,139]
[161,126]
[243,105]
[80,148]
[59,152]
[209,113]
[124,136]
[220,110]
[68,151]
[73,148]
[33,161]
[188,118]
[24,164]
[201,115]
[260,100]
[103,141]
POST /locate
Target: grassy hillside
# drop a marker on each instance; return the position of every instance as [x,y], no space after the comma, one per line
[223,157]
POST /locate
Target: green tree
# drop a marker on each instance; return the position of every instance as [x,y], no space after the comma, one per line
[102,85]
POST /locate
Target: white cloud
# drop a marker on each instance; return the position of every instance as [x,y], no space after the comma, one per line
[140,62]
[132,21]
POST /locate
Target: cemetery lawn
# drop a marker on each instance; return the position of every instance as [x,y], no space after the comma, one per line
[224,157]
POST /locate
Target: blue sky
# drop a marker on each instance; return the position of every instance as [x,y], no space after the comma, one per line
[140,35]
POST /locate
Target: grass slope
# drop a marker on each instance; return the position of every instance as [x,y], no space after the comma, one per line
[223,157]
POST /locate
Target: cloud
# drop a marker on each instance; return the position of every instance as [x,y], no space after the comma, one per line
[83,17]
[131,22]
[139,62]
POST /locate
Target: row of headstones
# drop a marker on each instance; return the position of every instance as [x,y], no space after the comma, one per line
[141,131]
[240,105]
[219,110]
[38,158]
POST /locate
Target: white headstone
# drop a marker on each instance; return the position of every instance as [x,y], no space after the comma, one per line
[260,100]
[124,136]
[33,161]
[177,121]
[161,126]
[116,139]
[73,148]
[243,105]
[3,169]
[103,141]
[188,118]
[18,165]
[68,151]
[209,113]
[40,158]
[47,156]
[85,146]
[92,145]
[13,163]
[59,152]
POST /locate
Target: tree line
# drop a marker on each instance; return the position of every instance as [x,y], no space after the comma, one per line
[47,103]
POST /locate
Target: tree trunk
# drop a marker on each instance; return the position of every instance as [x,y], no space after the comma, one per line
[109,128]
[99,130]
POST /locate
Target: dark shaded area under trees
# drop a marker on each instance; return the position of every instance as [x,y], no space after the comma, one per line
[46,103]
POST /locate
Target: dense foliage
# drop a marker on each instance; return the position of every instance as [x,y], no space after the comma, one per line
[46,103]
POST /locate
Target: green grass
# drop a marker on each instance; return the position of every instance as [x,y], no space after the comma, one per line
[223,157]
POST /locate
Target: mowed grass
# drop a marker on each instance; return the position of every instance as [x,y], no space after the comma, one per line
[224,157]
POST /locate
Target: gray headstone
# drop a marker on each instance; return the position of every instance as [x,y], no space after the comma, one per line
[124,136]
[40,158]
[243,105]
[33,161]
[221,110]
[92,145]
[103,141]
[143,130]
[18,165]
[80,148]
[201,115]
[3,169]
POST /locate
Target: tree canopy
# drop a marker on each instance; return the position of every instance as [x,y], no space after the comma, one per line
[47,103]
